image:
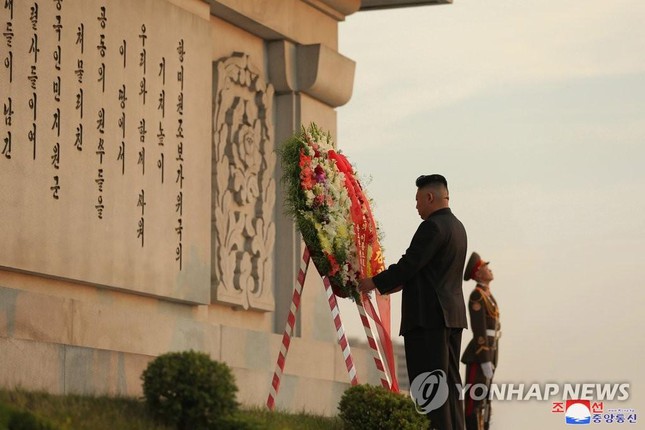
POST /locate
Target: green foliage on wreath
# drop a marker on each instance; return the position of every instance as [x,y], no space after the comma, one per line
[190,390]
[368,407]
[295,200]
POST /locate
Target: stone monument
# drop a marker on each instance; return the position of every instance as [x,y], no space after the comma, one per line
[139,190]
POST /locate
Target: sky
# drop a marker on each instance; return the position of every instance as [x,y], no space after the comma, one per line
[535,113]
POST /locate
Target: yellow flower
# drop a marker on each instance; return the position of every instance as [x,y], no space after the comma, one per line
[325,243]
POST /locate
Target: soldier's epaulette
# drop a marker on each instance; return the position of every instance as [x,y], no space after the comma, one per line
[476,299]
[476,295]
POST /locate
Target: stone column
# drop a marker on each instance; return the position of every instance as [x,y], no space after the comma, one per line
[309,82]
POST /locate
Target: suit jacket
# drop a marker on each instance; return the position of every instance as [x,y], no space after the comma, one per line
[430,273]
[484,320]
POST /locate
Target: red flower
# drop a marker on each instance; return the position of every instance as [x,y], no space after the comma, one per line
[307,178]
[305,160]
[334,265]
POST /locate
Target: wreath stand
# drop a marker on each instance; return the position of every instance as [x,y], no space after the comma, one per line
[386,373]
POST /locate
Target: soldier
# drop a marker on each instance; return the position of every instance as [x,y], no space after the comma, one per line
[480,355]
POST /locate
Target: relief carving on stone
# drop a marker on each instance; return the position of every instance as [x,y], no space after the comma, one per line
[243,186]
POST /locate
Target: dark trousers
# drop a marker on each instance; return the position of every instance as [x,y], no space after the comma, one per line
[438,348]
[478,412]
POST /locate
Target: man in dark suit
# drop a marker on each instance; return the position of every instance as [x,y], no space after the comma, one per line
[433,312]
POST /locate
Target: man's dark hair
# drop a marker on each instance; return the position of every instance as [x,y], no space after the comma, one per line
[424,180]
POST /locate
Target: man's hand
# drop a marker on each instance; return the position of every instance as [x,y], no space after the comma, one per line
[366,285]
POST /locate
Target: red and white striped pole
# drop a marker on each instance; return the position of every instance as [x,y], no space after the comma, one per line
[288,329]
[340,332]
[371,340]
[383,342]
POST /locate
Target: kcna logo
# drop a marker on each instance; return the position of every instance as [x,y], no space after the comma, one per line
[578,412]
[429,391]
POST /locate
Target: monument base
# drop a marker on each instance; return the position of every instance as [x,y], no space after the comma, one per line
[100,342]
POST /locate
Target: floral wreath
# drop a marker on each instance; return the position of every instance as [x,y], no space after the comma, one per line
[331,211]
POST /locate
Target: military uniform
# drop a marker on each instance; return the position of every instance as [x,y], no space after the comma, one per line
[484,347]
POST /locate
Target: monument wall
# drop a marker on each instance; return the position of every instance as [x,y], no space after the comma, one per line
[140,195]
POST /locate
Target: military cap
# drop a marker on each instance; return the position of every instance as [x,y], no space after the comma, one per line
[474,263]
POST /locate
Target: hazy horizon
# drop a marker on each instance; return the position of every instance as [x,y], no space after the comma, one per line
[535,113]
